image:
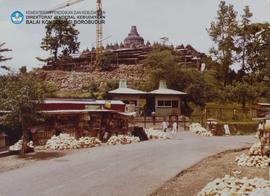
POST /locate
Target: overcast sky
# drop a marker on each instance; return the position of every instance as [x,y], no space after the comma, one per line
[183,21]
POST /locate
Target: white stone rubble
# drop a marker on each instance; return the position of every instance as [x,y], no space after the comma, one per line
[18,145]
[62,142]
[253,158]
[122,139]
[255,149]
[156,134]
[198,129]
[252,161]
[88,142]
[65,141]
[229,186]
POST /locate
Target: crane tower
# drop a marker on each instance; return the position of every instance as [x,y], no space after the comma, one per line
[99,31]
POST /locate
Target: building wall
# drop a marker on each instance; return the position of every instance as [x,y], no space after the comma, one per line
[167,110]
[160,111]
[136,98]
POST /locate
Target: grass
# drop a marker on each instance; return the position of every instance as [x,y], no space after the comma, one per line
[243,125]
[223,112]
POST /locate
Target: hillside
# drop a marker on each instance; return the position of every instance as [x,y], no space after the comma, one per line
[75,81]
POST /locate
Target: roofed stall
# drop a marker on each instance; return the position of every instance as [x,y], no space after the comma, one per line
[163,101]
[135,99]
[81,123]
[167,101]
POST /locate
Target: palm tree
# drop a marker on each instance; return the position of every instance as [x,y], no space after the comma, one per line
[2,58]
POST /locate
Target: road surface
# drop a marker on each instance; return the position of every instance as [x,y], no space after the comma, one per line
[135,169]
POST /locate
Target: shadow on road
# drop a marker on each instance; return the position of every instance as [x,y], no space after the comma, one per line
[41,155]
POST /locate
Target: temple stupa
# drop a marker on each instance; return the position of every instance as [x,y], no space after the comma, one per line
[134,40]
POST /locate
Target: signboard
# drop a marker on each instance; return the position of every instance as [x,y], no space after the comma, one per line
[142,103]
[107,105]
[92,107]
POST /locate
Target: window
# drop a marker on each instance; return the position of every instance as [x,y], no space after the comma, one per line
[168,103]
[160,103]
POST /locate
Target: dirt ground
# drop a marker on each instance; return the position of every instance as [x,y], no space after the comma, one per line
[17,161]
[192,180]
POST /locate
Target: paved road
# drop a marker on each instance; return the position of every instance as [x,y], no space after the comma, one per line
[136,169]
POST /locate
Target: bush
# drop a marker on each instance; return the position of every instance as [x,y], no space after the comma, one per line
[238,128]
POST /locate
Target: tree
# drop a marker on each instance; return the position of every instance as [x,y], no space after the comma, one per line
[243,92]
[107,59]
[99,90]
[61,36]
[160,65]
[20,95]
[244,39]
[223,33]
[2,58]
[257,50]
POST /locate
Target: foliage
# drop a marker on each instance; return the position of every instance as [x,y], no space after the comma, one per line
[72,94]
[161,66]
[61,39]
[241,43]
[244,44]
[107,60]
[257,50]
[51,89]
[244,39]
[99,91]
[243,92]
[20,94]
[3,58]
[222,32]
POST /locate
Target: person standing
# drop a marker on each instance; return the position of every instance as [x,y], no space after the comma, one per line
[154,117]
[260,131]
[227,129]
[174,127]
[164,125]
[262,136]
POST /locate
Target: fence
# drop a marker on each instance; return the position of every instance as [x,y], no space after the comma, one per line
[156,122]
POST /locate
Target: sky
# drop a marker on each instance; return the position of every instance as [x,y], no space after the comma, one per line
[182,21]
